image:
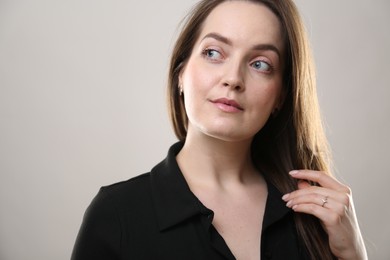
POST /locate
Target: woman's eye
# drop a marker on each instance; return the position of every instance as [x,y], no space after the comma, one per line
[262,66]
[212,54]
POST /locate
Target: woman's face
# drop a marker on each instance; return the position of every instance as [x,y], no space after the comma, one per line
[233,79]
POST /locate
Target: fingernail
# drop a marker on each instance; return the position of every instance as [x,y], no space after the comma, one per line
[293,172]
[285,197]
[289,203]
[294,207]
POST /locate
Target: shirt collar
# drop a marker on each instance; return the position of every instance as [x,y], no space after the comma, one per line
[173,199]
[174,202]
[275,208]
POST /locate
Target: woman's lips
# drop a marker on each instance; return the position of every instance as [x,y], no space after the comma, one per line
[227,105]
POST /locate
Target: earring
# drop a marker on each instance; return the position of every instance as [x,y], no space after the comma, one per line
[180,90]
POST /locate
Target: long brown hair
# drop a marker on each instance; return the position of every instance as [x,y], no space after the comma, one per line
[294,138]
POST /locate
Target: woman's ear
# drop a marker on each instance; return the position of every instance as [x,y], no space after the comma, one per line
[180,80]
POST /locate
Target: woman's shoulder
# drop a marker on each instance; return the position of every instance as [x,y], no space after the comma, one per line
[114,213]
[128,186]
[134,190]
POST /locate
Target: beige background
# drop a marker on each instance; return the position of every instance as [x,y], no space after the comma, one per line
[82,104]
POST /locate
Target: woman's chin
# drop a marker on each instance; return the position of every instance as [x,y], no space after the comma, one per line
[229,136]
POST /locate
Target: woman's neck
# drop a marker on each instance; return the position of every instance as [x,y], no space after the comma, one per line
[209,161]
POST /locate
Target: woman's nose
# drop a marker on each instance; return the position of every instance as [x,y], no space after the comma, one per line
[233,77]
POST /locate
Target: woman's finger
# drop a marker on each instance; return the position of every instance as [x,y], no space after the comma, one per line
[302,184]
[319,200]
[321,178]
[317,194]
[313,198]
[327,216]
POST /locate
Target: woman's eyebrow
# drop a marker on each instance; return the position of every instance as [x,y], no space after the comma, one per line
[267,47]
[218,37]
[260,47]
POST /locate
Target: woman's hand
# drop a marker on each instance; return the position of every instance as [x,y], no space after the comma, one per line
[332,203]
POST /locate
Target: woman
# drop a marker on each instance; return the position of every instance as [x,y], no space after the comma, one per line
[243,104]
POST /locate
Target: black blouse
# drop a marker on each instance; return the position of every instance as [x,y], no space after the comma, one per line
[156,216]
